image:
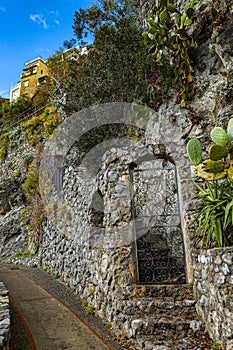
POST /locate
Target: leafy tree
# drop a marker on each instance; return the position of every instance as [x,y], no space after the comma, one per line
[3,101]
[106,12]
[116,66]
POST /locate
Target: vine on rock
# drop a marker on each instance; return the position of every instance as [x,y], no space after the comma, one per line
[35,207]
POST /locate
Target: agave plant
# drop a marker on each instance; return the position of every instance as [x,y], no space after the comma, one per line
[214,219]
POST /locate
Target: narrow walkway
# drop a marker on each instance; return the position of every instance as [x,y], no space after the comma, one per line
[50,323]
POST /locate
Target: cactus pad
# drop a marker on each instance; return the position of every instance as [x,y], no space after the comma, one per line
[230,123]
[217,152]
[171,7]
[206,175]
[214,166]
[219,136]
[230,129]
[230,133]
[194,150]
[230,173]
[164,16]
[151,23]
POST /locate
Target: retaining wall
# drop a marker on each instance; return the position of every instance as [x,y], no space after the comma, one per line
[213,288]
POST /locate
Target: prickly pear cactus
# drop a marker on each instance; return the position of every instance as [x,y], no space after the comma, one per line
[168,32]
[194,150]
[217,152]
[220,162]
[219,136]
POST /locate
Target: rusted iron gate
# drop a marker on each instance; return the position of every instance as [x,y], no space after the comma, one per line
[157,222]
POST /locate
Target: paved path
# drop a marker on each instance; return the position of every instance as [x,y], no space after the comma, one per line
[50,323]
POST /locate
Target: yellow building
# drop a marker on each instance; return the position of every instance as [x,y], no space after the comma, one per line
[34,74]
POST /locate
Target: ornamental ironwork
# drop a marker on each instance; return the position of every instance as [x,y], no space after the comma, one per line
[158,232]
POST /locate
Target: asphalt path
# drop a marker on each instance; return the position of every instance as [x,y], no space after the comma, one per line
[49,322]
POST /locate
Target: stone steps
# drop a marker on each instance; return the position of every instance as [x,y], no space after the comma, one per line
[162,327]
[163,317]
[175,292]
[160,307]
[149,343]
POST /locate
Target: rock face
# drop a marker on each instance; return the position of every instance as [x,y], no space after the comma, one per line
[13,236]
[13,233]
[11,195]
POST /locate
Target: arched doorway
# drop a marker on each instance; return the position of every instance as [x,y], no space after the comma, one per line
[158,233]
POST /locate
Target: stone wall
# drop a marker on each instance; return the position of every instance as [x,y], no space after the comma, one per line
[213,288]
[89,240]
[4,318]
[100,264]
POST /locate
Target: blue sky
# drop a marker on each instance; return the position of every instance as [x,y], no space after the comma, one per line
[30,29]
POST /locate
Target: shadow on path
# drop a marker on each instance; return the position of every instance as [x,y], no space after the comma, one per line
[19,338]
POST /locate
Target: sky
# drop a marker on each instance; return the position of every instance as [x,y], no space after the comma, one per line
[30,29]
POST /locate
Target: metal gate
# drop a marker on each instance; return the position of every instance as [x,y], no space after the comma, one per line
[157,222]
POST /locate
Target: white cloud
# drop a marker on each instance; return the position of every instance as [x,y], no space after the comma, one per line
[54,13]
[39,19]
[54,17]
[2,9]
[50,18]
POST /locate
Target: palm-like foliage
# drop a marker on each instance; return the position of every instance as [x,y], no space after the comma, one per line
[213,220]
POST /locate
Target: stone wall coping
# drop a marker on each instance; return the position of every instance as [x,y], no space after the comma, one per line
[211,251]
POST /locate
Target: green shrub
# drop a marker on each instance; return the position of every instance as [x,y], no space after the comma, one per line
[108,324]
[104,312]
[90,309]
[24,254]
[31,184]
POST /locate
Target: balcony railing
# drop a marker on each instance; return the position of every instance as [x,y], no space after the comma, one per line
[31,64]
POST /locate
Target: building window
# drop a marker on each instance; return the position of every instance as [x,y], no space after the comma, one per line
[41,72]
[26,83]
